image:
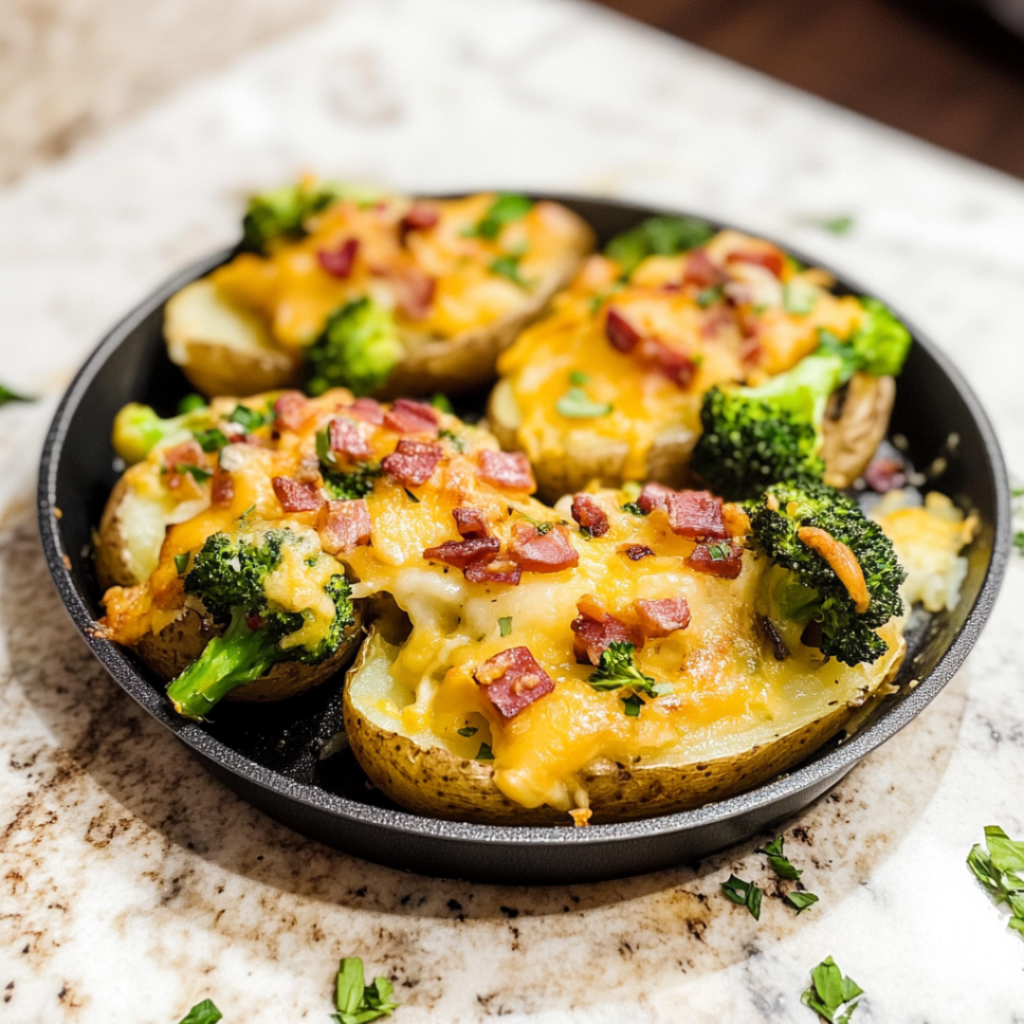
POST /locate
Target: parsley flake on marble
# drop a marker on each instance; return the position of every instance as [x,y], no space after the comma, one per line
[744,894]
[800,901]
[778,861]
[357,1002]
[203,1013]
[999,866]
[832,995]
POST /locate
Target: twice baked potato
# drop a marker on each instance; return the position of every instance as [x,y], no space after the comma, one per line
[382,294]
[613,385]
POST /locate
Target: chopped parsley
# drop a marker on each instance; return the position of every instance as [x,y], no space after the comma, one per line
[468,730]
[357,1002]
[999,866]
[539,525]
[709,296]
[800,900]
[577,404]
[191,403]
[203,1013]
[248,419]
[635,510]
[7,395]
[505,625]
[778,861]
[458,443]
[594,304]
[412,497]
[181,563]
[506,209]
[719,551]
[442,402]
[211,440]
[744,894]
[508,266]
[836,225]
[831,994]
[579,378]
[485,753]
[199,475]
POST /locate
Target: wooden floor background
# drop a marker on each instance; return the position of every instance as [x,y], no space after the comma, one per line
[933,68]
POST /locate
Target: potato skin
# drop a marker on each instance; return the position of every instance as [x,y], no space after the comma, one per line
[112,561]
[169,652]
[434,782]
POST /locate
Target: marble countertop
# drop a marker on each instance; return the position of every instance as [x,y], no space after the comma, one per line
[132,885]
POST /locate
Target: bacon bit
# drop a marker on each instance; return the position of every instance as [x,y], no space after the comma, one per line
[842,561]
[770,259]
[589,515]
[188,453]
[661,618]
[470,522]
[292,409]
[596,630]
[414,290]
[420,217]
[700,271]
[713,321]
[727,566]
[751,351]
[507,470]
[693,514]
[542,552]
[412,462]
[296,497]
[620,332]
[884,475]
[339,262]
[463,553]
[498,571]
[637,551]
[223,490]
[308,471]
[512,680]
[677,366]
[254,622]
[343,525]
[581,816]
[368,410]
[344,437]
[409,417]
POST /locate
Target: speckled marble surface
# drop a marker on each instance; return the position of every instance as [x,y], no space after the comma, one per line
[133,885]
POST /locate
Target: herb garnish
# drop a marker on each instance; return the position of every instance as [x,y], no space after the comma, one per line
[357,1002]
[181,563]
[709,296]
[211,440]
[539,525]
[837,225]
[468,730]
[441,401]
[412,497]
[831,992]
[7,395]
[800,900]
[778,861]
[199,475]
[508,207]
[203,1013]
[508,266]
[635,510]
[248,419]
[579,378]
[458,443]
[744,894]
[577,404]
[719,551]
[505,625]
[485,753]
[191,403]
[999,868]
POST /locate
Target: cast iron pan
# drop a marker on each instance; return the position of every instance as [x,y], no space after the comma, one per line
[272,755]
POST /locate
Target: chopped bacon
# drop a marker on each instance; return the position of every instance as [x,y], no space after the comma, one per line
[344,437]
[713,321]
[343,525]
[637,551]
[693,514]
[676,365]
[508,470]
[308,470]
[512,680]
[420,217]
[409,417]
[533,551]
[700,271]
[188,453]
[296,497]
[463,553]
[885,474]
[292,409]
[660,618]
[620,332]
[595,630]
[589,515]
[368,410]
[412,462]
[339,262]
[414,290]
[723,559]
[223,490]
[498,571]
[470,522]
[770,259]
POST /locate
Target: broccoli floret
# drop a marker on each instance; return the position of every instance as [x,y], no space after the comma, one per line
[138,429]
[229,576]
[282,212]
[814,592]
[881,342]
[656,236]
[618,669]
[358,349]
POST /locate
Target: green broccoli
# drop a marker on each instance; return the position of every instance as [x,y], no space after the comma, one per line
[229,576]
[282,212]
[752,437]
[138,429]
[358,349]
[657,236]
[813,591]
[618,669]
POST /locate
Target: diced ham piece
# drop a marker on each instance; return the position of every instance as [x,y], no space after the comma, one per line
[620,332]
[499,571]
[343,526]
[512,680]
[412,462]
[884,475]
[292,409]
[409,417]
[770,259]
[637,551]
[339,262]
[296,497]
[693,514]
[368,410]
[590,515]
[508,470]
[676,365]
[188,453]
[344,437]
[223,490]
[660,618]
[534,551]
[470,522]
[595,630]
[414,291]
[420,217]
[723,559]
[700,271]
[462,553]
